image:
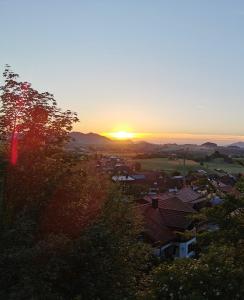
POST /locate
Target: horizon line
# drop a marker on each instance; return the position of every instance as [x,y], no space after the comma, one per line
[173,137]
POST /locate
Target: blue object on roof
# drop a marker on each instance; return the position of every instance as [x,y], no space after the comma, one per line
[216,201]
[139,177]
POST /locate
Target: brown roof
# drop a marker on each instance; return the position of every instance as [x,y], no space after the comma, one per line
[163,196]
[175,204]
[225,188]
[187,195]
[171,214]
[170,202]
[230,190]
[176,219]
[154,226]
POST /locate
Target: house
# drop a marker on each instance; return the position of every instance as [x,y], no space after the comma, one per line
[228,179]
[191,197]
[175,182]
[202,172]
[229,190]
[164,217]
[226,188]
[122,178]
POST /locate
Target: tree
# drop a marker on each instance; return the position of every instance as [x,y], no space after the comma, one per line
[240,184]
[228,220]
[33,131]
[105,261]
[218,274]
[136,190]
[66,234]
[113,258]
[137,166]
[33,117]
[75,204]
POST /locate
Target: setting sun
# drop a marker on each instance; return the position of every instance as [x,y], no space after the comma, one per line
[121,135]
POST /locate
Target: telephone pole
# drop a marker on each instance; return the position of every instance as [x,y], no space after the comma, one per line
[184,167]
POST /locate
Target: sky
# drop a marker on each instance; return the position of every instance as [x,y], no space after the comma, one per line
[169,70]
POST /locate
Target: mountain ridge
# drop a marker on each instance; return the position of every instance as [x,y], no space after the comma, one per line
[91,138]
[237,144]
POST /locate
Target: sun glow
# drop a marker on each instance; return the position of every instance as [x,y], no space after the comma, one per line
[122,135]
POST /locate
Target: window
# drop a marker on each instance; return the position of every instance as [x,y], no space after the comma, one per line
[191,247]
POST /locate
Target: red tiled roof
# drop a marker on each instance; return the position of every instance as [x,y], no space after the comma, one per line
[175,204]
[225,188]
[187,195]
[175,219]
[169,201]
[171,214]
[154,226]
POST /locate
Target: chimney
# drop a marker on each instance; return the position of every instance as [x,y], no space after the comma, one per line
[155,202]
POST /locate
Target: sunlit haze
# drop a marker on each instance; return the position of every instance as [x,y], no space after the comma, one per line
[172,71]
[120,135]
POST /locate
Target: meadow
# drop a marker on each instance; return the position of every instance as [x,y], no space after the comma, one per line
[159,164]
[169,166]
[232,168]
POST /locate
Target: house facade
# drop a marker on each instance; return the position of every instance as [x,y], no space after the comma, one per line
[165,218]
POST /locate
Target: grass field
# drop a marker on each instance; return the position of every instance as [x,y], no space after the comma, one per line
[167,165]
[170,166]
[241,159]
[227,167]
[122,154]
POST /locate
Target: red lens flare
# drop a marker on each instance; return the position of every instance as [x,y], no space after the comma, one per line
[14,149]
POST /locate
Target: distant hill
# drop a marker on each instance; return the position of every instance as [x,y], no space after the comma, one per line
[81,139]
[209,145]
[143,146]
[238,144]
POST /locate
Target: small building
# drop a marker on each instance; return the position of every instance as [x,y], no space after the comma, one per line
[122,178]
[164,217]
[191,197]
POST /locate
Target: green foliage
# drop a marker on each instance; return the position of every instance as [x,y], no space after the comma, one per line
[34,127]
[229,220]
[136,190]
[216,275]
[33,115]
[63,235]
[217,155]
[105,262]
[113,258]
[240,184]
[219,271]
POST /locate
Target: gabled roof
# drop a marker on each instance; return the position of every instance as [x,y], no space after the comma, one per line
[175,219]
[187,195]
[175,204]
[170,202]
[154,227]
[171,214]
[162,196]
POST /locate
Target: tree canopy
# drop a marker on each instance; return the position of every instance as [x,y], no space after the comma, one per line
[66,233]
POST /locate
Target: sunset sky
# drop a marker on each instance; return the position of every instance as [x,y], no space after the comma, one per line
[166,70]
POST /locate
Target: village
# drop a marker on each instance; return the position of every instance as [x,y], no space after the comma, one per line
[168,203]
